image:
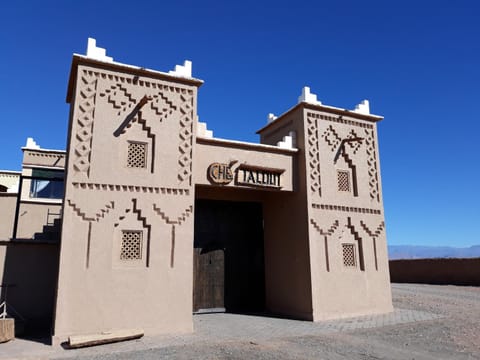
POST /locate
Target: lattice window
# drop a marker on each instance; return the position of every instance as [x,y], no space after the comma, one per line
[349,255]
[137,155]
[131,245]
[343,180]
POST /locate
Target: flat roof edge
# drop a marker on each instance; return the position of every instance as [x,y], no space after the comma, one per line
[78,59]
[245,145]
[51,151]
[331,109]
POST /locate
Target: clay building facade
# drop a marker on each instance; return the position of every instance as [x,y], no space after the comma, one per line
[161,220]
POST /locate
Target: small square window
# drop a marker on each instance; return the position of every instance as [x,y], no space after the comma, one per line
[349,255]
[343,180]
[137,155]
[131,245]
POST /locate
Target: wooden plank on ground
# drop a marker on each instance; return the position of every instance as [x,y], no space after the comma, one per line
[78,341]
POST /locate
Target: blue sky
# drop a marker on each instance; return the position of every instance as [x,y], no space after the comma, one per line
[418,62]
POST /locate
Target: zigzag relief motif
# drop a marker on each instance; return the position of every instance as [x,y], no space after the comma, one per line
[314,156]
[374,234]
[186,140]
[84,131]
[359,240]
[177,221]
[100,214]
[354,145]
[137,211]
[119,98]
[326,234]
[332,138]
[372,165]
[162,106]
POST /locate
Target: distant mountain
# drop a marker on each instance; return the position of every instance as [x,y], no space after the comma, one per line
[396,252]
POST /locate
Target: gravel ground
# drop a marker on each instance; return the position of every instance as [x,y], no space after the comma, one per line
[434,322]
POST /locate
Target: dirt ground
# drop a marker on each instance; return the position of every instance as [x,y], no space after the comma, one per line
[451,331]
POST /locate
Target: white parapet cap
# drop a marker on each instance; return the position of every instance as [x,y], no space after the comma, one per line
[32,145]
[308,97]
[100,54]
[271,117]
[363,108]
[184,70]
[286,143]
[202,130]
[97,53]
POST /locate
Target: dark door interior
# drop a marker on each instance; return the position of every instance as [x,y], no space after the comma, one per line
[228,268]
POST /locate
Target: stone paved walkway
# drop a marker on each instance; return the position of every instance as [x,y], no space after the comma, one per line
[246,327]
[214,328]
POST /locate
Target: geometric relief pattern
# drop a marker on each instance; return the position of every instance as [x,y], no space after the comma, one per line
[119,98]
[326,234]
[346,208]
[173,221]
[372,165]
[314,155]
[354,145]
[162,106]
[131,248]
[332,138]
[186,139]
[83,147]
[131,188]
[341,120]
[374,234]
[100,214]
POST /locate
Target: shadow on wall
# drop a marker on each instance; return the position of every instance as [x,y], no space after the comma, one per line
[436,271]
[31,270]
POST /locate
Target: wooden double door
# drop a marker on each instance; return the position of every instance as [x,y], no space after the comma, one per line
[228,260]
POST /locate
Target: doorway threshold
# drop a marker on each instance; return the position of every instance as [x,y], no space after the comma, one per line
[210,311]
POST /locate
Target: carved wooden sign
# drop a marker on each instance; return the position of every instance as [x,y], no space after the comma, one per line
[220,173]
[245,175]
[249,175]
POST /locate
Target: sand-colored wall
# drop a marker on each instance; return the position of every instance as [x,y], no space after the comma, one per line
[34,215]
[354,217]
[105,197]
[436,271]
[287,252]
[44,158]
[7,214]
